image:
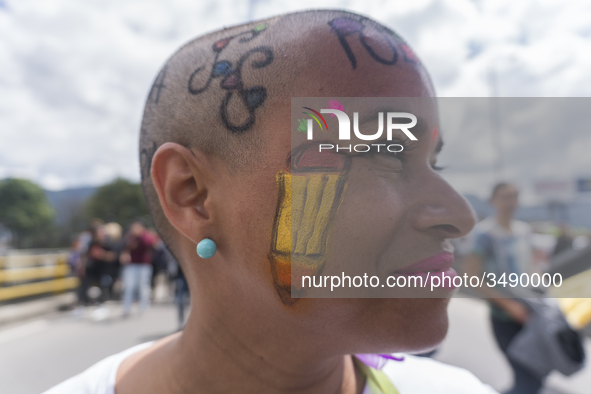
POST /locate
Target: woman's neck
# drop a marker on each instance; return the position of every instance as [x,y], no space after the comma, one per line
[211,357]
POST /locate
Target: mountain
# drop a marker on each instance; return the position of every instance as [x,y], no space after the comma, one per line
[67,202]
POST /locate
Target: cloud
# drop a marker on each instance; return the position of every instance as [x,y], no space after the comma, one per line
[76,74]
[532,140]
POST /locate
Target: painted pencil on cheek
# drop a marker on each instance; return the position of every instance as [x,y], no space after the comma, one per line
[309,198]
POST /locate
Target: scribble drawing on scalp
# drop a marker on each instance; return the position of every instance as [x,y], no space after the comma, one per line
[346,26]
[309,198]
[252,97]
[158,86]
[146,155]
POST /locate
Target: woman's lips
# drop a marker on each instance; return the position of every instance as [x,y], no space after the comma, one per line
[439,265]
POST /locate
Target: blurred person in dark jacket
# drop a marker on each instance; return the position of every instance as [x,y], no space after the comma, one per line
[137,270]
[564,241]
[99,260]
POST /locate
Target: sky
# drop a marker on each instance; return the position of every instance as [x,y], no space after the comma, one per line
[75,75]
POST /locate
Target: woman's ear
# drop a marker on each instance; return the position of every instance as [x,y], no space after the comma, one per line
[179,180]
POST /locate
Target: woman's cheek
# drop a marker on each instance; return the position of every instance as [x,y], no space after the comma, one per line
[365,223]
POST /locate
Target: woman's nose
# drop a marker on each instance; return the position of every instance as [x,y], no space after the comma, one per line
[442,211]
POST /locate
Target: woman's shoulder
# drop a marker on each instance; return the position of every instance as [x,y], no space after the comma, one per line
[424,375]
[99,378]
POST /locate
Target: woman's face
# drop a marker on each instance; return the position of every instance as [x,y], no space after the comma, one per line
[374,213]
[395,211]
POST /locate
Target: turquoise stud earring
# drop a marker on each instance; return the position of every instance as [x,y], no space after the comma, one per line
[206,248]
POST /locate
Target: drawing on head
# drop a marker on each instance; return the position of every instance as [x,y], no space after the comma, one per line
[310,193]
[158,86]
[347,26]
[409,54]
[147,154]
[251,97]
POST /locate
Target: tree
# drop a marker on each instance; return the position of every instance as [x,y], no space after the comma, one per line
[120,201]
[24,209]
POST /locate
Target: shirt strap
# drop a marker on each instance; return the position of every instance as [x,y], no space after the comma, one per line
[377,381]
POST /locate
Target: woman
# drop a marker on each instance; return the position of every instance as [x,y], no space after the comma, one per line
[215,153]
[99,259]
[503,245]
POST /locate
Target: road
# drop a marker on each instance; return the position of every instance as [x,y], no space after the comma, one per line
[39,353]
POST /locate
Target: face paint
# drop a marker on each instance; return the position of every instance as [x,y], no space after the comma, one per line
[303,125]
[434,134]
[309,197]
[334,104]
[408,54]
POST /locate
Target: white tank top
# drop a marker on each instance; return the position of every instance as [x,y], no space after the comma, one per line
[414,375]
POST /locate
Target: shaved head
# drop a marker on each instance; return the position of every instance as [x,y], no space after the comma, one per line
[213,93]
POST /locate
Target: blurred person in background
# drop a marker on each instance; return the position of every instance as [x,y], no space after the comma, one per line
[137,266]
[75,258]
[76,261]
[181,293]
[99,260]
[181,288]
[159,262]
[502,244]
[113,241]
[564,241]
[79,262]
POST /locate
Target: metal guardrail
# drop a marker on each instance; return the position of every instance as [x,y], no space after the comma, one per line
[24,275]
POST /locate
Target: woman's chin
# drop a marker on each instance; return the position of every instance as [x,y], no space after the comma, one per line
[411,326]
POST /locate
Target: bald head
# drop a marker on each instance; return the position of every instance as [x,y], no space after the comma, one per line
[213,93]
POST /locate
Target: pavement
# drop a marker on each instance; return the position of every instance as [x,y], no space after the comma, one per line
[11,313]
[40,352]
